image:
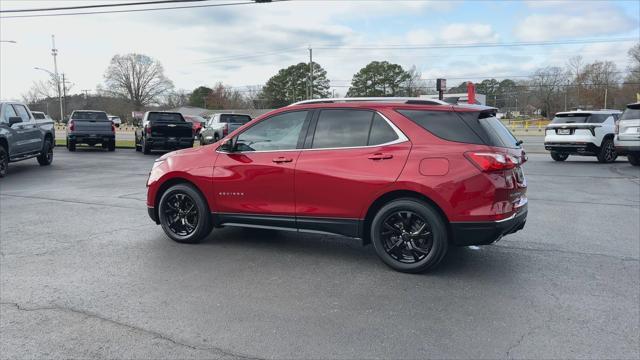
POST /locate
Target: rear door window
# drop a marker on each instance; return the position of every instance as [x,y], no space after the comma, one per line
[381,132]
[341,128]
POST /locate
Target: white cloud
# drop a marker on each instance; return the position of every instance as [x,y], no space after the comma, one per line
[570,23]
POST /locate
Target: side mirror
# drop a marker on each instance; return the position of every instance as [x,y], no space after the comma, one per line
[228,146]
[14,120]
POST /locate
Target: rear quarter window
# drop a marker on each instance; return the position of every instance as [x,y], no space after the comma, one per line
[446,125]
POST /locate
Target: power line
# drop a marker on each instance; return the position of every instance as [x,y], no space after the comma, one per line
[139,10]
[156,2]
[474,45]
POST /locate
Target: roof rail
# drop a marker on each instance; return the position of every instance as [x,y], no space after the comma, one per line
[404,100]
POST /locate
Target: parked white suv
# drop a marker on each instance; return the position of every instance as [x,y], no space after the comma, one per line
[589,133]
[628,134]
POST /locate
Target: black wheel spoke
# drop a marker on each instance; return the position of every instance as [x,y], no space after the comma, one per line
[181,214]
[406,237]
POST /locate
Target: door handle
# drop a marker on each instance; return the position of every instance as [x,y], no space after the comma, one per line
[282,159]
[380,156]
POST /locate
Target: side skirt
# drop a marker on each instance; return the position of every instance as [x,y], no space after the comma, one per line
[335,226]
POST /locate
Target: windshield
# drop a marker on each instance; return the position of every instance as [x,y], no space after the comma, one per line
[235,119]
[169,117]
[580,118]
[631,114]
[89,115]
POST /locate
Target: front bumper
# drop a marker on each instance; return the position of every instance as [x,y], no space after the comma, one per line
[485,233]
[169,143]
[153,215]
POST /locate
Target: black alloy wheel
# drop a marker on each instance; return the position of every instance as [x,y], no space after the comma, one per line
[184,214]
[46,157]
[406,237]
[4,161]
[559,156]
[409,235]
[607,152]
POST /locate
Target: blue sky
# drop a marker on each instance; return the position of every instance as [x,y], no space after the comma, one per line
[204,46]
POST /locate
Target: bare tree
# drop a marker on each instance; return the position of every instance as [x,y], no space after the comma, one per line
[575,66]
[415,86]
[137,77]
[547,84]
[175,99]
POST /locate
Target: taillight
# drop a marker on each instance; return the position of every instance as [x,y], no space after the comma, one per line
[491,161]
[113,127]
[147,129]
[72,125]
[225,130]
[617,128]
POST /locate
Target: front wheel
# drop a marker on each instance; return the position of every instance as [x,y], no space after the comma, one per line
[4,161]
[409,235]
[46,157]
[634,159]
[184,214]
[559,156]
[607,152]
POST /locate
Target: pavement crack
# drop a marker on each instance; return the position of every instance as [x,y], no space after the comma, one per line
[153,333]
[71,201]
[520,340]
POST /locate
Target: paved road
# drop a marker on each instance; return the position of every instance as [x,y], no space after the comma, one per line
[84,273]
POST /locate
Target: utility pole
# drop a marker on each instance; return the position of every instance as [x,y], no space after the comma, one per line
[605,97]
[54,53]
[86,93]
[310,96]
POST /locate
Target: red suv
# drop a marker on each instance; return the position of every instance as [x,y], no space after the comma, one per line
[411,176]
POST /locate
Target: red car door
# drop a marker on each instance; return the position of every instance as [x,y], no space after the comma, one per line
[257,177]
[353,156]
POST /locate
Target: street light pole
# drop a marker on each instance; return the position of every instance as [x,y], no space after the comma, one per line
[54,53]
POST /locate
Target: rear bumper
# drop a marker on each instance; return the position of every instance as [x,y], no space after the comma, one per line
[625,145]
[169,143]
[91,138]
[572,148]
[485,233]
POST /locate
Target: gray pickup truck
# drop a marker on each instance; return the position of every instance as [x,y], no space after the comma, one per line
[24,137]
[90,127]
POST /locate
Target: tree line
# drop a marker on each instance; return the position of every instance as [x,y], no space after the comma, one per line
[137,82]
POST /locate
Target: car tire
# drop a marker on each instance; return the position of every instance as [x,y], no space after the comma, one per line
[177,218]
[607,152]
[46,157]
[4,161]
[145,149]
[71,145]
[559,156]
[112,145]
[201,140]
[216,138]
[421,247]
[634,159]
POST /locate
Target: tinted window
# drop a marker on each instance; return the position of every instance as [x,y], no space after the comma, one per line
[381,132]
[444,124]
[22,112]
[234,119]
[39,116]
[342,128]
[631,114]
[89,115]
[279,132]
[580,118]
[168,117]
[498,134]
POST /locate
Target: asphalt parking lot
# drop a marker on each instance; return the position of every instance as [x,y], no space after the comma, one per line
[85,273]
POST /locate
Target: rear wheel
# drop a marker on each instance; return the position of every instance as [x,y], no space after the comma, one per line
[559,156]
[145,148]
[184,214]
[607,152]
[4,161]
[112,145]
[409,235]
[46,157]
[634,159]
[71,145]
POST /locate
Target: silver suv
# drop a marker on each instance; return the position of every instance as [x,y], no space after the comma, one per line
[628,134]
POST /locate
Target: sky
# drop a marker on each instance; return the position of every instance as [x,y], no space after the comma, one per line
[244,45]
